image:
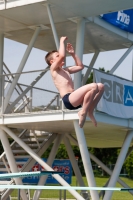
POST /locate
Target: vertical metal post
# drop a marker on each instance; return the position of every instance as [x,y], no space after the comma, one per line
[1,66]
[75,165]
[49,162]
[21,66]
[58,102]
[119,164]
[11,160]
[53,26]
[31,99]
[2,105]
[79,131]
[64,194]
[86,159]
[18,194]
[79,49]
[29,194]
[60,194]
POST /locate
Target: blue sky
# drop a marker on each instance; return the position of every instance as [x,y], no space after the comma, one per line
[14,51]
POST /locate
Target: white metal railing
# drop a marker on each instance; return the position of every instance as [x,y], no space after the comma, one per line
[25,92]
[24,99]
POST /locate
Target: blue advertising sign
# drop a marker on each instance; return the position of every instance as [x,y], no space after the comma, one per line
[122,19]
[58,165]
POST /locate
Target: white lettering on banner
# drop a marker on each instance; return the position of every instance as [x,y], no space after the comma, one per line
[128,97]
[123,17]
[118,96]
[107,95]
[117,99]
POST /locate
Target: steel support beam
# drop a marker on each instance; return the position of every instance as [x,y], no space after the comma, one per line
[119,164]
[1,67]
[111,28]
[75,166]
[121,60]
[91,65]
[50,160]
[53,26]
[86,159]
[11,160]
[73,161]
[31,161]
[78,130]
[9,108]
[21,66]
[102,165]
[41,162]
[79,49]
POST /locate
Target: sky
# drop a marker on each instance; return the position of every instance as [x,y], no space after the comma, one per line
[14,51]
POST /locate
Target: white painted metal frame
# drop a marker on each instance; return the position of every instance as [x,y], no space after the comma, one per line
[50,160]
[14,3]
[79,131]
[121,60]
[53,26]
[25,91]
[119,164]
[11,160]
[91,66]
[86,159]
[75,166]
[101,164]
[40,161]
[1,67]
[79,49]
[21,66]
[111,28]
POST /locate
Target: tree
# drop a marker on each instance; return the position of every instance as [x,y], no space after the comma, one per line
[129,165]
[90,79]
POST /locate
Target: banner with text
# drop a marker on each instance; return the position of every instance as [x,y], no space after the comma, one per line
[122,19]
[117,99]
[60,165]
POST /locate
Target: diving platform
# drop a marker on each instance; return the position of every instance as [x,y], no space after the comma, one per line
[19,19]
[35,117]
[109,133]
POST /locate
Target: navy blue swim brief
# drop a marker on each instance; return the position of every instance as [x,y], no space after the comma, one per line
[67,103]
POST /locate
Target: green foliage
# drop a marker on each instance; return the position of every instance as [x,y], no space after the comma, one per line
[129,165]
[1,148]
[90,79]
[62,153]
[106,155]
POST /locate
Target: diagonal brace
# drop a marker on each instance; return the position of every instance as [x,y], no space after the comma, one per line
[26,90]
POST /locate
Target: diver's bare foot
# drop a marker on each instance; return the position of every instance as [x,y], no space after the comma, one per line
[82,117]
[91,116]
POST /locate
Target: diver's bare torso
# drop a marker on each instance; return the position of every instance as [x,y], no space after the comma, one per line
[62,81]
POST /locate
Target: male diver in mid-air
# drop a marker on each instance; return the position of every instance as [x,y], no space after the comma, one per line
[85,97]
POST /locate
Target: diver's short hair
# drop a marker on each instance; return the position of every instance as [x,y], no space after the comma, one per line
[48,56]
